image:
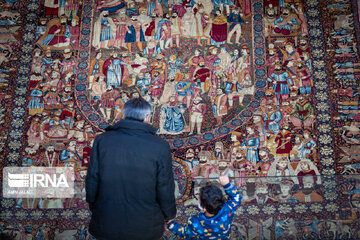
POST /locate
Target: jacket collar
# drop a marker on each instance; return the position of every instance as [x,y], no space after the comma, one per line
[132,124]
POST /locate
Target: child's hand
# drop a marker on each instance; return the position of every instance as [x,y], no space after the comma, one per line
[223,180]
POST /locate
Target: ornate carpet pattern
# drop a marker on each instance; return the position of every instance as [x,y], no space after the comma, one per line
[264,91]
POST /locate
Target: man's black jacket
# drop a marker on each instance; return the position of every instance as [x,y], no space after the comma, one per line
[130,183]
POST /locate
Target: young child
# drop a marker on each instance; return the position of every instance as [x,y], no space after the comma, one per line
[215,220]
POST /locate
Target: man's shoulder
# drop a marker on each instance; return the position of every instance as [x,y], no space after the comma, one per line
[160,141]
[151,139]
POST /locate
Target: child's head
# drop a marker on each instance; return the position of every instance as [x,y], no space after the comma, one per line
[211,198]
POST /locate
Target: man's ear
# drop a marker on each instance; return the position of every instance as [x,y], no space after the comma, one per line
[147,118]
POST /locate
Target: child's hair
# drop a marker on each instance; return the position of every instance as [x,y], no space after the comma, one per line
[211,198]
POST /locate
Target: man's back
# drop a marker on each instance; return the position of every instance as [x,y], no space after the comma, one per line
[130,185]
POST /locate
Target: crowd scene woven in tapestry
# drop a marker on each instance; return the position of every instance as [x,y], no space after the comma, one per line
[263,91]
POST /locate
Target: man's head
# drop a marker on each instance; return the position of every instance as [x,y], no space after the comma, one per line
[137,109]
[355,200]
[249,130]
[82,173]
[201,63]
[303,42]
[286,11]
[105,13]
[197,100]
[142,11]
[289,47]
[261,190]
[282,163]
[72,145]
[204,156]
[211,198]
[285,186]
[222,165]
[190,154]
[133,18]
[235,136]
[264,155]
[50,148]
[305,165]
[219,146]
[270,12]
[308,181]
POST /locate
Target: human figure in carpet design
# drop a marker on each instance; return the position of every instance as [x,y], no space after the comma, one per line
[285,189]
[104,31]
[204,169]
[174,120]
[307,167]
[197,111]
[281,169]
[308,193]
[261,195]
[96,68]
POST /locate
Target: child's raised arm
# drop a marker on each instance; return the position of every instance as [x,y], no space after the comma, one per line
[234,194]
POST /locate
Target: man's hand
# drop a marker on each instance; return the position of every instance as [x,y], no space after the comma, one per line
[223,180]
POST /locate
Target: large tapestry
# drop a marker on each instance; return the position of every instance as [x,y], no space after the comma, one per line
[264,91]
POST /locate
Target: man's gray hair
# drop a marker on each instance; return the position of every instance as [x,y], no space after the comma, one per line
[137,109]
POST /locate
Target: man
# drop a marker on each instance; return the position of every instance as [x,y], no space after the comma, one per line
[218,31]
[176,28]
[204,169]
[281,81]
[190,159]
[285,196]
[114,69]
[252,143]
[202,75]
[235,20]
[219,152]
[163,32]
[284,140]
[130,184]
[302,115]
[104,31]
[135,34]
[304,77]
[174,117]
[52,99]
[261,195]
[58,35]
[224,169]
[48,158]
[288,22]
[108,102]
[96,67]
[308,193]
[219,105]
[70,153]
[197,111]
